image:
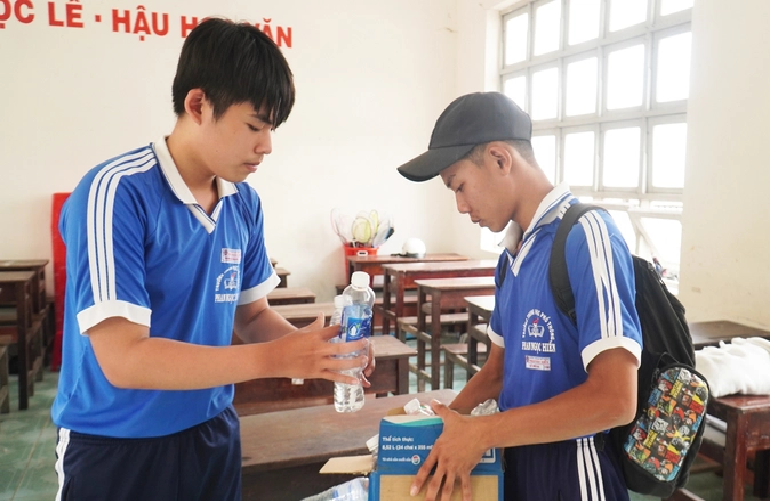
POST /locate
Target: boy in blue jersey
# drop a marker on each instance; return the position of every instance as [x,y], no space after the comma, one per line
[165,260]
[558,386]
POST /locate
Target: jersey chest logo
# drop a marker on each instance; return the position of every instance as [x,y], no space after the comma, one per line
[537,337]
[228,285]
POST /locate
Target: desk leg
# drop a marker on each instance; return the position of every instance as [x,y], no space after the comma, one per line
[23,346]
[735,458]
[435,342]
[420,342]
[762,474]
[473,350]
[402,375]
[386,306]
[398,285]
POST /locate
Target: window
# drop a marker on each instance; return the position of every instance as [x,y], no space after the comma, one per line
[544,147]
[606,84]
[582,80]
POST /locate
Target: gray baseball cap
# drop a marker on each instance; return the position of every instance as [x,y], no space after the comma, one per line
[469,120]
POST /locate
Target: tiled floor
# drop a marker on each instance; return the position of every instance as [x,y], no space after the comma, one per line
[27,444]
[28,440]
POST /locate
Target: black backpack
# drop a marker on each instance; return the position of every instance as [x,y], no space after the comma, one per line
[657,449]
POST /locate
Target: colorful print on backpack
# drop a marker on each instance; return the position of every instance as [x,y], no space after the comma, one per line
[661,438]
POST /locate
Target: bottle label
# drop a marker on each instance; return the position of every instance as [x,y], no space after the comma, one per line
[357,325]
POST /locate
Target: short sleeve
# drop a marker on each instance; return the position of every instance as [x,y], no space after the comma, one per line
[601,274]
[103,228]
[259,277]
[495,327]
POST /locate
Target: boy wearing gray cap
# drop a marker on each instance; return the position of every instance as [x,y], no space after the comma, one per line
[560,386]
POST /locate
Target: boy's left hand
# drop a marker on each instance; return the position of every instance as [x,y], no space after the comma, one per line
[456,452]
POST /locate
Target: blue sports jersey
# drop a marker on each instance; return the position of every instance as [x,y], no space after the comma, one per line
[140,247]
[545,354]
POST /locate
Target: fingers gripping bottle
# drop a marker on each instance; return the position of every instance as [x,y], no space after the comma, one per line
[356,323]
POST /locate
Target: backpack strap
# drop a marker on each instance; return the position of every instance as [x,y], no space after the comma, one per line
[559,278]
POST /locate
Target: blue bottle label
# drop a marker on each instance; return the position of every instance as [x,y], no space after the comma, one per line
[357,324]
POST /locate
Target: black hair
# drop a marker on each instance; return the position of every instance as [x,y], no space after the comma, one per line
[523,147]
[234,63]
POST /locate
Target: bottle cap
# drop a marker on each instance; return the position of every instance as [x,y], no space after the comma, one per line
[360,280]
[339,302]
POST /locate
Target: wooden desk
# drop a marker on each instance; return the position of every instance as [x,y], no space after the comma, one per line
[17,286]
[711,333]
[290,295]
[373,264]
[5,398]
[748,429]
[283,276]
[37,266]
[401,277]
[391,375]
[39,306]
[300,315]
[283,451]
[479,312]
[446,294]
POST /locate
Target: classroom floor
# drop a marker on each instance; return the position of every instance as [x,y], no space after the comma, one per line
[28,441]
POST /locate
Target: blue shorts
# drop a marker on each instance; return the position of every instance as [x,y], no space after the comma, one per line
[202,463]
[573,470]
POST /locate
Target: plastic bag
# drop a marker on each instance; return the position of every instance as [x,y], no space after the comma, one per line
[352,490]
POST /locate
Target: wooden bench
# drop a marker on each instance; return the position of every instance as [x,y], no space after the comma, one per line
[339,288]
[400,278]
[5,398]
[290,295]
[748,430]
[24,333]
[300,315]
[283,275]
[39,301]
[284,451]
[711,333]
[391,375]
[408,325]
[373,263]
[445,295]
[479,312]
[455,354]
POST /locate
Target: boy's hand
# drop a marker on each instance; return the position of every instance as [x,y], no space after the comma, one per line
[308,354]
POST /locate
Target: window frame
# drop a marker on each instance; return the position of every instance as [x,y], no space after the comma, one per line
[639,202]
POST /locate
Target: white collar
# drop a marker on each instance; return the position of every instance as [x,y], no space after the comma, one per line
[544,214]
[178,186]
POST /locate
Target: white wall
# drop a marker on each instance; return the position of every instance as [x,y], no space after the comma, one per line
[725,228]
[477,70]
[371,79]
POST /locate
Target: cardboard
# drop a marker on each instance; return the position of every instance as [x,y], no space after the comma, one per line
[349,464]
[403,445]
[393,487]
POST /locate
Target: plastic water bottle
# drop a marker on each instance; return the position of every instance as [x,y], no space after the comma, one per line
[336,318]
[356,323]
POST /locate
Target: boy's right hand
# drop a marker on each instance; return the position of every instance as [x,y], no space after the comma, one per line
[307,354]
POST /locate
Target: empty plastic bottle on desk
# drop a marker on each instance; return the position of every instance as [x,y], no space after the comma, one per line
[356,323]
[336,318]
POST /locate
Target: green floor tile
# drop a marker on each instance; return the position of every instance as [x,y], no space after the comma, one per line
[14,450]
[39,479]
[10,478]
[35,496]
